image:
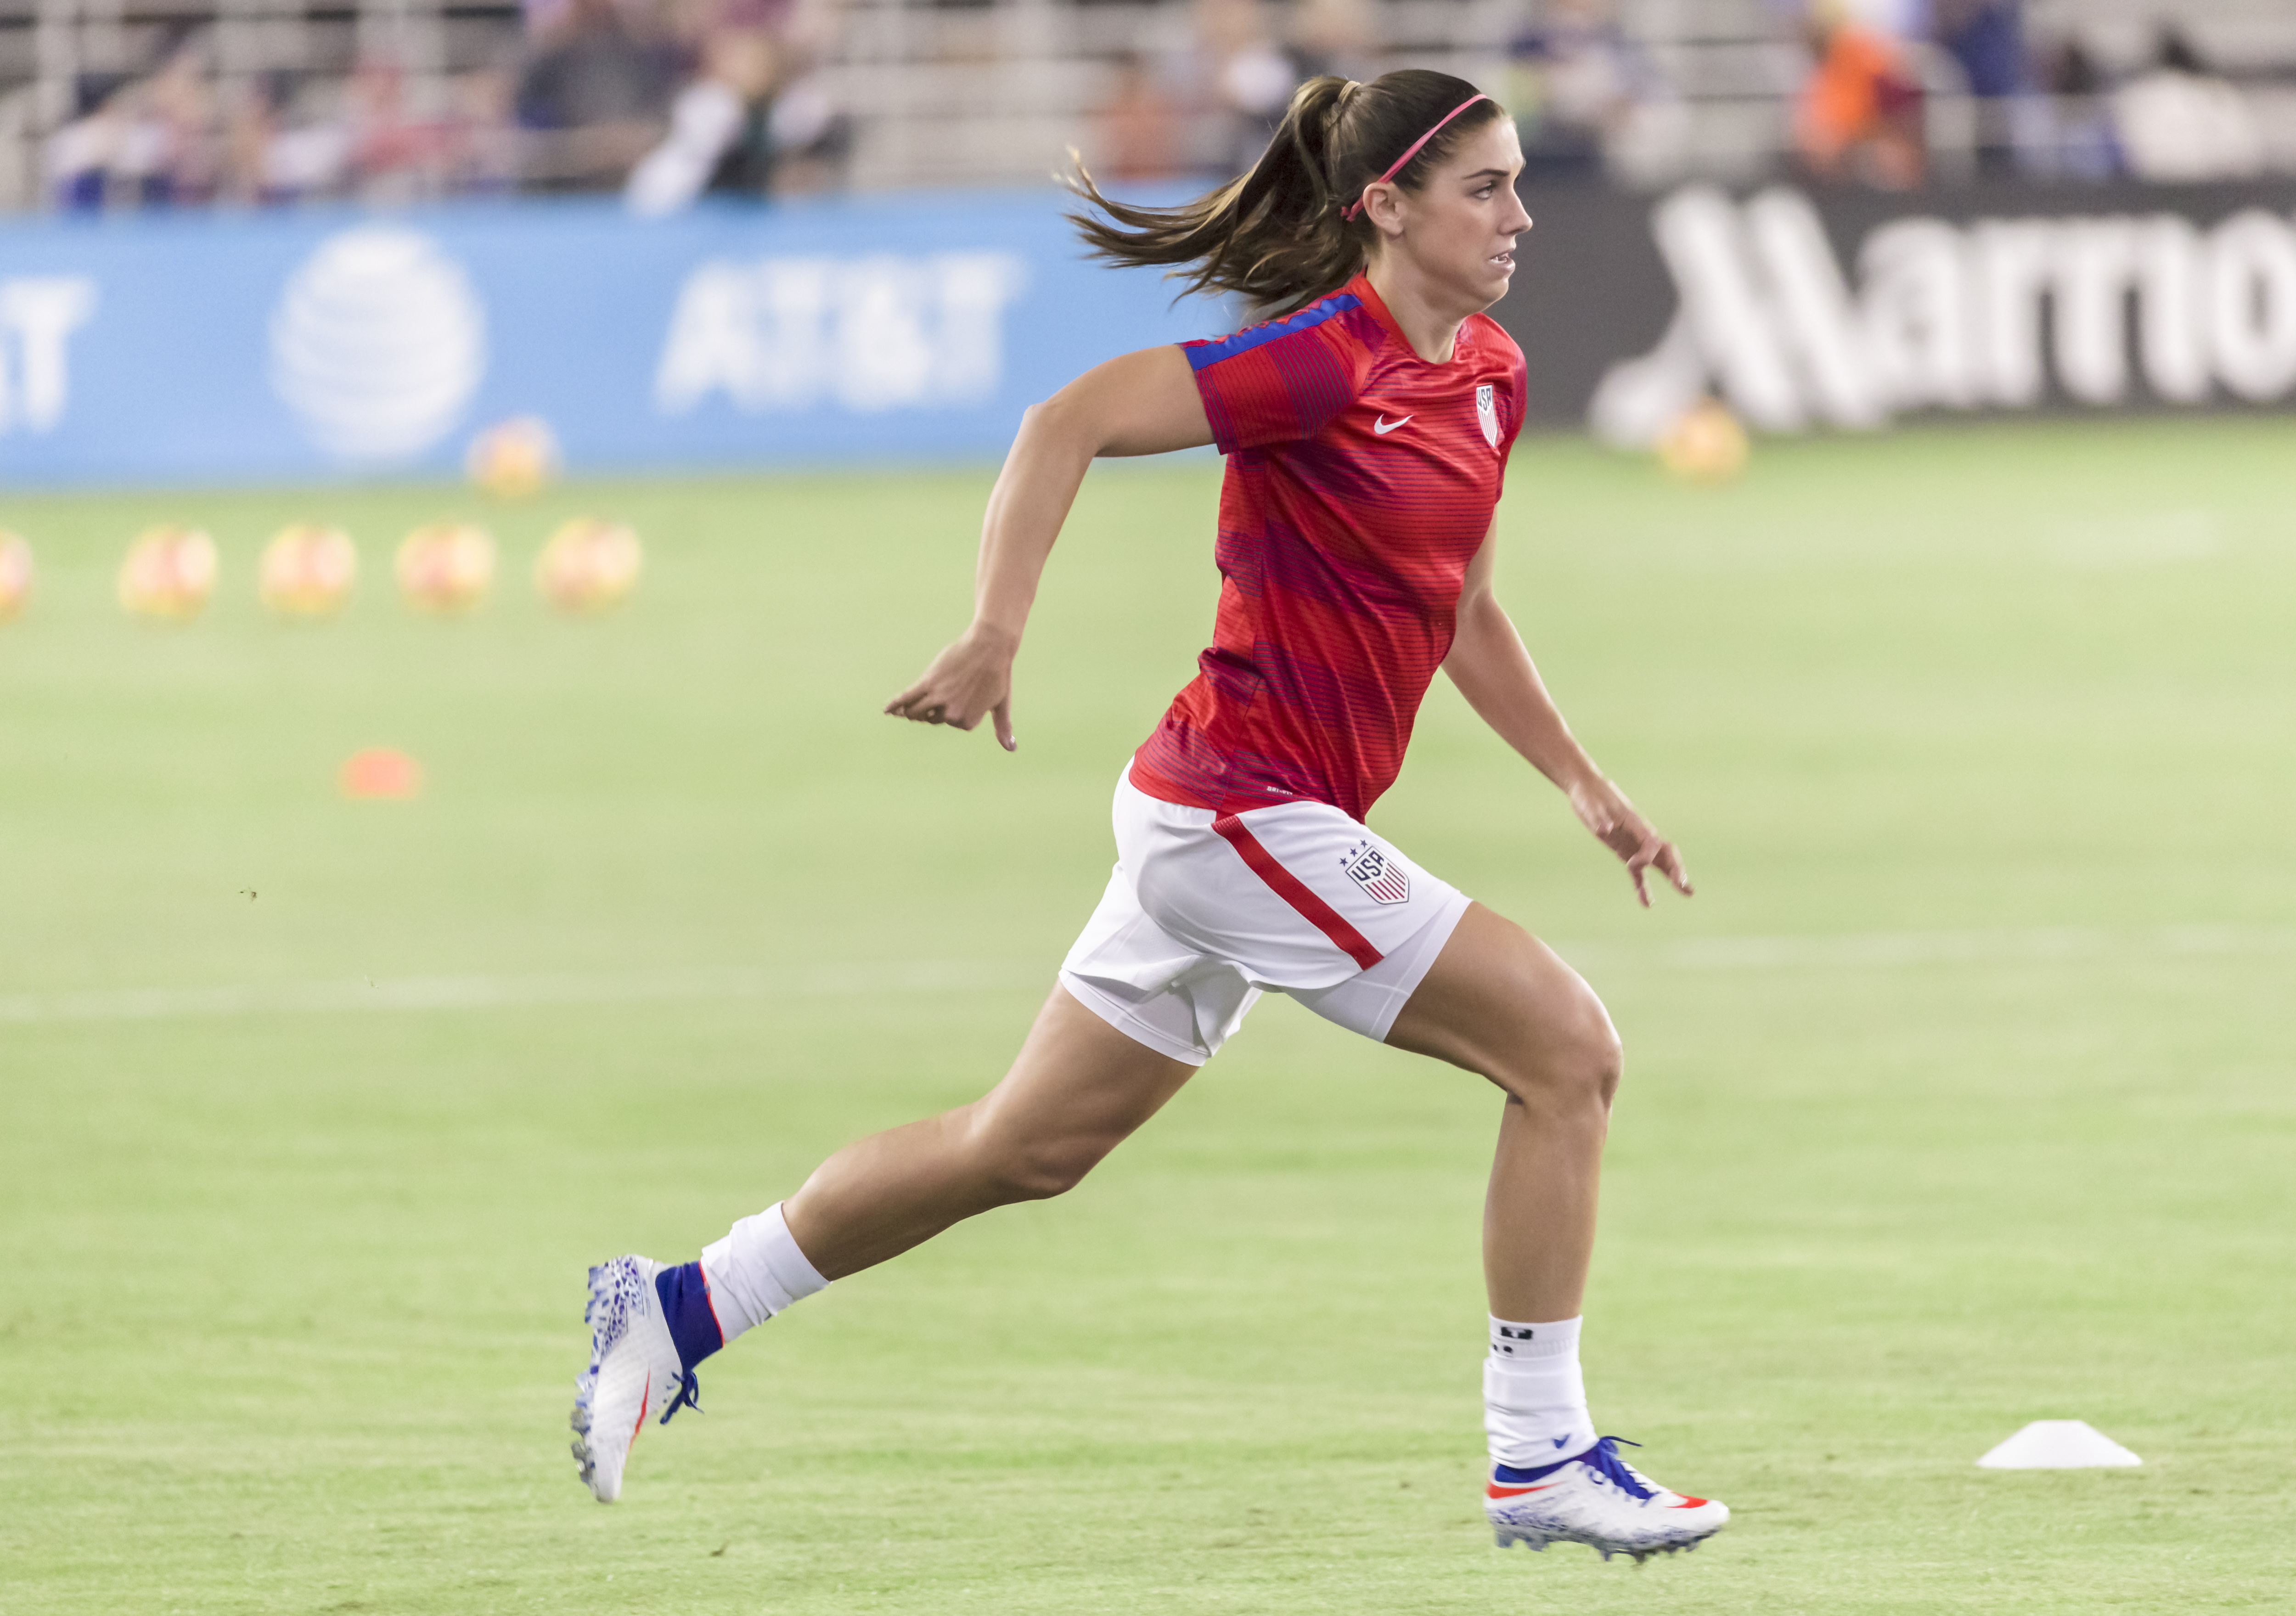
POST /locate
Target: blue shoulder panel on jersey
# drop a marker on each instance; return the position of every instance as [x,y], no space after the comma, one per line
[1211,351]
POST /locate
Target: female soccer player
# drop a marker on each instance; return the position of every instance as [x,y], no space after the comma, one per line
[1367,431]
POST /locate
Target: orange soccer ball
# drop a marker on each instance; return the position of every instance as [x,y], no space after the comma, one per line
[588,565]
[513,459]
[307,570]
[1705,445]
[168,574]
[447,566]
[15,574]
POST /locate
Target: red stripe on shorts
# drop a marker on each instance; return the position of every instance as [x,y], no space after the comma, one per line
[1294,891]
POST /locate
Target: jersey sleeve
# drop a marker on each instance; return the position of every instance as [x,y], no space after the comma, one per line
[1281,382]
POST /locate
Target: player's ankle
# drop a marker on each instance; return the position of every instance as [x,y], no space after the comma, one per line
[755,1272]
[693,1327]
[1534,1395]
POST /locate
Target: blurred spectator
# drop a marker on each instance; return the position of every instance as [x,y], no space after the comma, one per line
[805,31]
[2078,141]
[715,120]
[809,133]
[810,138]
[142,154]
[2180,121]
[397,155]
[142,143]
[1335,36]
[1859,116]
[250,123]
[1986,39]
[598,90]
[484,159]
[255,132]
[1138,135]
[1248,80]
[310,156]
[543,18]
[1588,98]
[753,120]
[283,143]
[172,141]
[78,157]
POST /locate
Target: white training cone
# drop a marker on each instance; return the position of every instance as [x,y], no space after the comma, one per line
[2058,1444]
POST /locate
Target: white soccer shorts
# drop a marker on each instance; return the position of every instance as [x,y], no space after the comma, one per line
[1205,911]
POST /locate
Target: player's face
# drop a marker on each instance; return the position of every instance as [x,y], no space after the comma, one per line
[1460,227]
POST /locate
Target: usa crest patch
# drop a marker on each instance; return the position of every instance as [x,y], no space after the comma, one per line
[1487,413]
[1387,882]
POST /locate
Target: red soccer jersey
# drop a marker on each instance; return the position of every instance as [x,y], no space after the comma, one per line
[1360,482]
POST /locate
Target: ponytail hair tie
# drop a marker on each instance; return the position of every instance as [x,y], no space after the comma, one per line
[1410,151]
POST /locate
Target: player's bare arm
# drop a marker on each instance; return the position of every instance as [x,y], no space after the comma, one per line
[1494,671]
[1142,403]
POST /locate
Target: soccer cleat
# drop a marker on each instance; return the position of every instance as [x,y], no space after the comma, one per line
[633,1370]
[1597,1499]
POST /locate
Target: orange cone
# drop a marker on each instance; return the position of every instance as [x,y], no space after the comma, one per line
[381,772]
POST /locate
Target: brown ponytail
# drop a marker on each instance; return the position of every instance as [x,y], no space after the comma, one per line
[1276,236]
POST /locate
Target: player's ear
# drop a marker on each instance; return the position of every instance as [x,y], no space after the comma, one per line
[1383,206]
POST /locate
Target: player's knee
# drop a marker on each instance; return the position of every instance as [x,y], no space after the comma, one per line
[1571,1060]
[1603,1058]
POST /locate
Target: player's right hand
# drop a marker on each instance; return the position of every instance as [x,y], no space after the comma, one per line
[971,677]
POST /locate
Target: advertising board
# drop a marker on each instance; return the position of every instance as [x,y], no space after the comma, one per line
[204,348]
[1852,310]
[221,347]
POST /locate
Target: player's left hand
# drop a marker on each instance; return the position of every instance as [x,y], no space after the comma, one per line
[1603,809]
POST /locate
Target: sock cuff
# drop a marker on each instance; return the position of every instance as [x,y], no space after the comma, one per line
[756,1270]
[1519,1342]
[792,1266]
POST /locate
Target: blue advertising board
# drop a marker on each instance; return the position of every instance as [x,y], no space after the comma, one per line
[219,347]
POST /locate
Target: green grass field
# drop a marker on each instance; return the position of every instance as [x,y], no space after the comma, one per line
[1963,1095]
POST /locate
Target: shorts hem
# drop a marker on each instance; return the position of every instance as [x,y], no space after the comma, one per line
[1118,1014]
[1385,988]
[1428,944]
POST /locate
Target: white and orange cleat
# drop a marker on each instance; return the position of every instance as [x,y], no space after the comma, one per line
[633,1371]
[1597,1499]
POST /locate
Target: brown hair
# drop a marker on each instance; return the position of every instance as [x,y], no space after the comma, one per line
[1276,237]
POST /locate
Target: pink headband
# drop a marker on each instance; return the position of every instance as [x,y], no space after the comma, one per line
[1356,207]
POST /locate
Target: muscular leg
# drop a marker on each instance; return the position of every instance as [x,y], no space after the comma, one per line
[1078,1089]
[1501,1004]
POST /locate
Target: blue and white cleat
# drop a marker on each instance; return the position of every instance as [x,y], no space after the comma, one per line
[1597,1499]
[633,1370]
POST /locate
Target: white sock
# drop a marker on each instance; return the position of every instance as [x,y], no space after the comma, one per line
[756,1271]
[1534,1398]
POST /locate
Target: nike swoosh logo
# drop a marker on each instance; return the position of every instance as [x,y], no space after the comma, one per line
[1383,426]
[1497,1491]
